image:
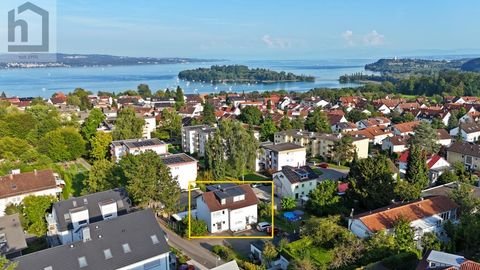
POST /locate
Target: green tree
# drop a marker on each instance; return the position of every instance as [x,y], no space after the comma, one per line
[298,123]
[35,208]
[171,124]
[46,118]
[325,232]
[269,253]
[250,115]
[380,245]
[62,144]
[355,116]
[92,122]
[404,236]
[6,264]
[285,123]
[464,196]
[179,98]
[74,101]
[302,264]
[429,242]
[215,156]
[149,181]
[317,121]
[128,125]
[198,227]
[416,176]
[100,145]
[100,177]
[425,138]
[343,150]
[324,200]
[447,177]
[82,95]
[288,203]
[452,122]
[267,129]
[208,113]
[144,90]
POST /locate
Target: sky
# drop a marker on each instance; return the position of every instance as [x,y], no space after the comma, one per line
[269,29]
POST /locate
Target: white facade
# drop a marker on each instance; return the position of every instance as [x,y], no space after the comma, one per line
[274,160]
[468,137]
[118,149]
[160,262]
[184,173]
[191,138]
[149,127]
[284,188]
[4,202]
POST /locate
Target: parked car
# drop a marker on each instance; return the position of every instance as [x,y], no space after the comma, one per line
[323,165]
[276,230]
[262,226]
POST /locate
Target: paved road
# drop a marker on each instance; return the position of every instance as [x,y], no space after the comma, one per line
[192,248]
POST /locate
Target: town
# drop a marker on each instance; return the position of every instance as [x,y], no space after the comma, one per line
[249,180]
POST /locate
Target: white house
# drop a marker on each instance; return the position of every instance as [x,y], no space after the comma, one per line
[424,215]
[132,241]
[149,126]
[69,217]
[227,207]
[118,149]
[470,132]
[182,167]
[436,165]
[395,144]
[442,260]
[274,156]
[406,128]
[16,186]
[295,182]
[191,138]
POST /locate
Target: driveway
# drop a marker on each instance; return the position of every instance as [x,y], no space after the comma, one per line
[332,174]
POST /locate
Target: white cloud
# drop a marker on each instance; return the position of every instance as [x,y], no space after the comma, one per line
[373,39]
[348,37]
[274,43]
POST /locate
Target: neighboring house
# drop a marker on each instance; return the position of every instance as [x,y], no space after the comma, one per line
[405,128]
[403,107]
[118,149]
[424,215]
[470,117]
[232,265]
[436,165]
[381,122]
[191,138]
[274,156]
[12,237]
[375,135]
[470,132]
[69,217]
[256,253]
[395,144]
[436,113]
[182,167]
[465,153]
[446,261]
[295,182]
[227,207]
[16,186]
[133,241]
[443,137]
[344,127]
[447,189]
[149,126]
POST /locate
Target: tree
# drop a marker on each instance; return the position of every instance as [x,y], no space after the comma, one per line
[318,122]
[302,264]
[179,98]
[404,235]
[215,156]
[100,177]
[100,144]
[416,176]
[3,95]
[355,116]
[35,208]
[269,253]
[347,253]
[171,124]
[380,245]
[267,129]
[324,200]
[74,101]
[425,138]
[288,203]
[208,114]
[452,122]
[371,182]
[250,115]
[447,177]
[83,97]
[464,196]
[89,127]
[63,144]
[325,232]
[149,181]
[6,264]
[144,90]
[128,125]
[285,123]
[343,149]
[429,241]
[465,236]
[265,210]
[298,123]
[198,227]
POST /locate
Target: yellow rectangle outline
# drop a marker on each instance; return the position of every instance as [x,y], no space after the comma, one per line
[228,237]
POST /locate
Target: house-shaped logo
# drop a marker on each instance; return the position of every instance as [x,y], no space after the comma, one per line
[23,25]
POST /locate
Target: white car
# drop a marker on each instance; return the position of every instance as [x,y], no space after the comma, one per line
[262,226]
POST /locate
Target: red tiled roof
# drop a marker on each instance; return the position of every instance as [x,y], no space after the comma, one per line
[433,160]
[385,218]
[467,265]
[17,184]
[406,127]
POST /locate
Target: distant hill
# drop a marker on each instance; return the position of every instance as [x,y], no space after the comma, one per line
[90,60]
[472,65]
[240,74]
[414,66]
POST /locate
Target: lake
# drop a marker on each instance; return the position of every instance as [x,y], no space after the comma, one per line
[44,82]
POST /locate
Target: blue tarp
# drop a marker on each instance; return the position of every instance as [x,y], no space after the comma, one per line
[290,216]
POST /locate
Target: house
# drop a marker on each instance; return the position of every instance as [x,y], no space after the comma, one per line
[232,265]
[68,217]
[466,153]
[405,128]
[149,126]
[446,189]
[424,215]
[275,156]
[203,136]
[470,132]
[470,117]
[375,135]
[227,207]
[133,241]
[12,237]
[443,137]
[315,102]
[429,114]
[120,148]
[182,167]
[436,166]
[336,117]
[408,106]
[256,253]
[295,182]
[344,127]
[381,122]
[395,144]
[446,261]
[16,186]
[191,138]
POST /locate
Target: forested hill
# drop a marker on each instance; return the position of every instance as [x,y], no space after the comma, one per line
[240,74]
[414,66]
[472,65]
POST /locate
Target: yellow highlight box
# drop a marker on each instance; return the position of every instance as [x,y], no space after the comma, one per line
[190,236]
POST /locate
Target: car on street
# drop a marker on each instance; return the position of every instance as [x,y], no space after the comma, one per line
[262,226]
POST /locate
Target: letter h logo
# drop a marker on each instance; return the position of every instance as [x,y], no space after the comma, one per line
[13,24]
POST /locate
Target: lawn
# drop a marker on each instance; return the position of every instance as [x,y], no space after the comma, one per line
[73,175]
[255,177]
[336,166]
[317,171]
[305,248]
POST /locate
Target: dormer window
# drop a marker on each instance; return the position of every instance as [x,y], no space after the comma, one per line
[239,198]
[223,201]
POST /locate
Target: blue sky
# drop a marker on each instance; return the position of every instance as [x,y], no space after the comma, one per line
[269,29]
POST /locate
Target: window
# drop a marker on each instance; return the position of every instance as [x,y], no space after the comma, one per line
[154,239]
[126,248]
[82,262]
[82,222]
[107,253]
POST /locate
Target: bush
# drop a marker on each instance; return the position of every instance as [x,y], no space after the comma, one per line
[223,252]
[402,261]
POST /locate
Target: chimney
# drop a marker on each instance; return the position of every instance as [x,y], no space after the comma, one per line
[35,172]
[86,234]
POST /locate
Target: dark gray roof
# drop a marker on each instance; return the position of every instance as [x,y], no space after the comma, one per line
[297,175]
[12,238]
[446,189]
[91,202]
[137,229]
[136,143]
[470,127]
[465,148]
[177,159]
[279,147]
